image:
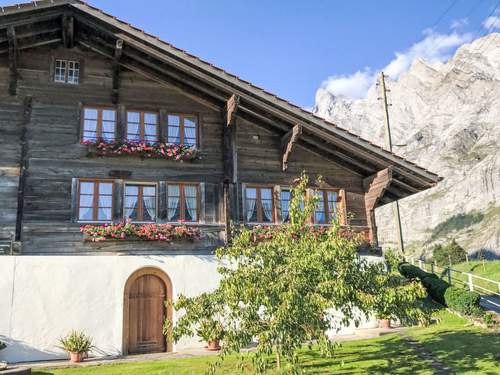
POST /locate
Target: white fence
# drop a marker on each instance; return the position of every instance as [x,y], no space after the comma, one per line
[475,283]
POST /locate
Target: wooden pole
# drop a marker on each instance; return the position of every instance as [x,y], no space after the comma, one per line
[388,146]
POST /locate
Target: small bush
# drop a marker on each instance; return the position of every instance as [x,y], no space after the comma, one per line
[490,319]
[452,252]
[462,300]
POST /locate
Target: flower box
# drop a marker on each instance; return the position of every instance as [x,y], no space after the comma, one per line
[158,150]
[142,232]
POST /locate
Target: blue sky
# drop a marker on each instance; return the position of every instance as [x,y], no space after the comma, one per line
[291,47]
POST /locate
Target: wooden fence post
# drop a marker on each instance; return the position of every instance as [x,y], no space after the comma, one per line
[471,285]
[432,268]
[448,271]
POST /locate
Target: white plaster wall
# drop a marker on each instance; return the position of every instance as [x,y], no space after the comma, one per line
[44,297]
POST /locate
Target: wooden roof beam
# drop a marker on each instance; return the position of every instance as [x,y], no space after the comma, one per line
[288,142]
[375,187]
[13,60]
[68,31]
[231,109]
[116,71]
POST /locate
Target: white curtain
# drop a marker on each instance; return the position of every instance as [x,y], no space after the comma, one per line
[189,136]
[191,206]
[250,208]
[267,207]
[173,202]
[86,207]
[174,134]
[131,207]
[150,205]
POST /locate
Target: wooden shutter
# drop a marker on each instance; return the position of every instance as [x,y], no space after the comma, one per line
[117,200]
[74,200]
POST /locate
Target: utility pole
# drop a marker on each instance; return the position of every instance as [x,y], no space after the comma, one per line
[388,146]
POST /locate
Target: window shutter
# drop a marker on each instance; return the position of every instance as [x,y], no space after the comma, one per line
[210,206]
[162,201]
[118,200]
[202,200]
[74,200]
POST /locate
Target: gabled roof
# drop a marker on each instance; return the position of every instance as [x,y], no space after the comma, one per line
[161,61]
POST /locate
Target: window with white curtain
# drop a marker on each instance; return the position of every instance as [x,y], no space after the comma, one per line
[285,197]
[140,202]
[95,200]
[259,205]
[67,71]
[99,123]
[142,126]
[182,129]
[182,202]
[326,206]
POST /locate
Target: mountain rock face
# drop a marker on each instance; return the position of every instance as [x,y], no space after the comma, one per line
[446,118]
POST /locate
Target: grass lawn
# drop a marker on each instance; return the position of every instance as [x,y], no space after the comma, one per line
[460,345]
[466,349]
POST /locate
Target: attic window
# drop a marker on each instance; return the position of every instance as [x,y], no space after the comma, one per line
[67,71]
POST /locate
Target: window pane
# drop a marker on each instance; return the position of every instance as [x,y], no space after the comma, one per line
[174,120]
[251,204]
[174,208]
[106,188]
[131,190]
[86,187]
[150,130]
[285,205]
[90,125]
[86,200]
[134,117]
[85,213]
[173,190]
[149,206]
[149,191]
[133,132]
[150,118]
[190,122]
[104,214]
[108,115]
[174,134]
[266,193]
[73,72]
[90,113]
[60,71]
[191,209]
[105,201]
[108,127]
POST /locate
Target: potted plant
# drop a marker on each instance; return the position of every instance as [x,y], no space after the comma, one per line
[384,321]
[77,344]
[212,332]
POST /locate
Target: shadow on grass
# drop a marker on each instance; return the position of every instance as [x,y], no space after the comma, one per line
[465,351]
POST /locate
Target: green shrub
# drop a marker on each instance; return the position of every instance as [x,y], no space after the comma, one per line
[436,288]
[490,319]
[413,272]
[462,300]
[451,252]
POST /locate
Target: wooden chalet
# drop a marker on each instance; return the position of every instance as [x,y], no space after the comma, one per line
[74,78]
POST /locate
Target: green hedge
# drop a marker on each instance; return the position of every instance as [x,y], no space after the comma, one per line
[458,299]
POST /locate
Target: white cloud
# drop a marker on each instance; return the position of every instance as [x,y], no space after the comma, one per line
[493,22]
[459,23]
[432,48]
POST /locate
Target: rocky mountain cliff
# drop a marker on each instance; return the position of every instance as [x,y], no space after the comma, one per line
[446,118]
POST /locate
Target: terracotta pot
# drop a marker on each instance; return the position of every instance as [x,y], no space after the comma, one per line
[384,323]
[213,345]
[76,357]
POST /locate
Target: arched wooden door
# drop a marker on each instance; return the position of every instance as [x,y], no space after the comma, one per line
[145,293]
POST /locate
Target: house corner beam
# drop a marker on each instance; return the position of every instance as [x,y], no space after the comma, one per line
[288,142]
[116,71]
[13,60]
[68,31]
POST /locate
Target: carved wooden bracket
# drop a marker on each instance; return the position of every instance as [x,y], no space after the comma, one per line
[375,187]
[13,60]
[68,31]
[116,71]
[288,142]
[231,109]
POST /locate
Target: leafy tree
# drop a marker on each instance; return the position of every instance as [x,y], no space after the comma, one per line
[451,253]
[283,286]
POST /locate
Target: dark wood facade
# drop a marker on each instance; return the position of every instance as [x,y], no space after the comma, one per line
[242,138]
